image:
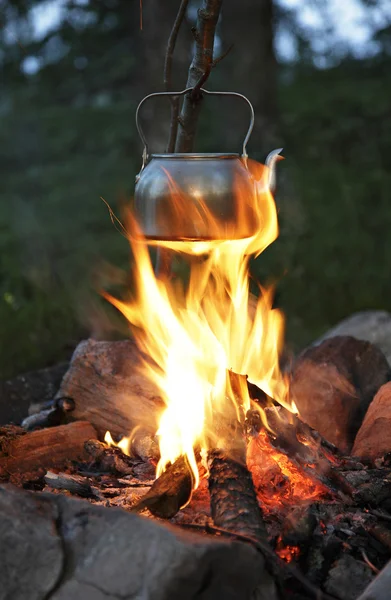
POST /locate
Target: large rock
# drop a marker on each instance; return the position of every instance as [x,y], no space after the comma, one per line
[110,391]
[348,578]
[333,384]
[371,325]
[16,395]
[373,439]
[59,548]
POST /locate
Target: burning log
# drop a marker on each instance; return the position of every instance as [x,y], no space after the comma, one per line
[43,449]
[108,459]
[333,385]
[234,504]
[71,549]
[170,492]
[109,390]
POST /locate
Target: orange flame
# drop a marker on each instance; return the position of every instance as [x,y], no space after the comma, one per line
[194,334]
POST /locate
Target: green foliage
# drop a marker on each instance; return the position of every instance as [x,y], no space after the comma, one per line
[55,230]
[337,127]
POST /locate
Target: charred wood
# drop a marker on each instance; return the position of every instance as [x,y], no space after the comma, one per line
[234,504]
[72,483]
[108,459]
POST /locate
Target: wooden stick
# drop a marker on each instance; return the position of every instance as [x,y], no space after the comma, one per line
[199,71]
[45,448]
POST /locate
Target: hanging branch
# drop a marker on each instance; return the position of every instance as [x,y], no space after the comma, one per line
[200,68]
[167,75]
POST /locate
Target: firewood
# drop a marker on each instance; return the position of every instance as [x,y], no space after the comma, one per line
[170,492]
[234,504]
[233,501]
[72,483]
[106,382]
[108,459]
[45,448]
[71,549]
[373,438]
[333,385]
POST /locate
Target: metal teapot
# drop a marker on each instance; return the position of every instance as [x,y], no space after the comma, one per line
[194,197]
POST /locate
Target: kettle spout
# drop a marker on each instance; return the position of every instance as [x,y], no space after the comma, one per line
[271,160]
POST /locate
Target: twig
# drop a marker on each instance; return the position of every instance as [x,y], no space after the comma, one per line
[171,43]
[168,74]
[266,551]
[222,56]
[368,562]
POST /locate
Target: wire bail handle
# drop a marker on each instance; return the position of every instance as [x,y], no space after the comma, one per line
[145,154]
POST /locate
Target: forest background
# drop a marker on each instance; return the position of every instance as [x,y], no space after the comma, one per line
[318,73]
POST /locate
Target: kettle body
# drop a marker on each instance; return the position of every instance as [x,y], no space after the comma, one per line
[196,197]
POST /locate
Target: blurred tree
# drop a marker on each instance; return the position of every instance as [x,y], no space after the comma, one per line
[251,67]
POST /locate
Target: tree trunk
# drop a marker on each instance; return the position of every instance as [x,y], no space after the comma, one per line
[251,69]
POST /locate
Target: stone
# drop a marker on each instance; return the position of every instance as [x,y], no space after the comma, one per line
[379,588]
[36,387]
[373,439]
[106,381]
[348,578]
[371,325]
[57,547]
[334,383]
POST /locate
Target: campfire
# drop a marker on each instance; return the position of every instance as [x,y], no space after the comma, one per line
[205,340]
[202,426]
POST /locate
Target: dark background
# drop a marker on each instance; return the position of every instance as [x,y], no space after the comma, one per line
[72,73]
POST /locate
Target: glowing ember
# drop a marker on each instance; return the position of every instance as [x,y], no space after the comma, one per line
[287,553]
[277,480]
[195,333]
